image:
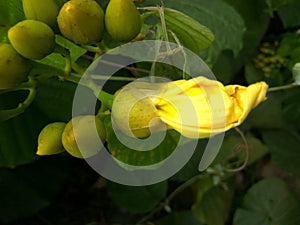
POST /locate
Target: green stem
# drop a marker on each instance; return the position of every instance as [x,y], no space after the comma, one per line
[105,98]
[91,48]
[10,113]
[284,87]
[166,203]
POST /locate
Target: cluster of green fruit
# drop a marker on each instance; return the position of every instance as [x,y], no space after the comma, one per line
[81,21]
[58,137]
[268,61]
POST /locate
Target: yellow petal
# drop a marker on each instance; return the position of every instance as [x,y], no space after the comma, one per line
[199,107]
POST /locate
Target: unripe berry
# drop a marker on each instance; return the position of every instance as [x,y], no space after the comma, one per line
[13,67]
[32,39]
[81,21]
[122,20]
[45,11]
[49,140]
[78,129]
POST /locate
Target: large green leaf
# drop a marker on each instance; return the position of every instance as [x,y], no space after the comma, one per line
[268,202]
[289,14]
[27,189]
[191,33]
[233,143]
[284,148]
[266,115]
[55,97]
[139,158]
[214,207]
[227,25]
[11,12]
[256,22]
[137,199]
[18,138]
[291,107]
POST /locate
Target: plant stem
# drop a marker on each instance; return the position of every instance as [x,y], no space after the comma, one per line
[10,113]
[284,87]
[167,201]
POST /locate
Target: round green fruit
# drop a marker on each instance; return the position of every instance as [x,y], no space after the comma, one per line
[49,140]
[45,11]
[13,67]
[81,21]
[32,39]
[134,113]
[122,20]
[79,132]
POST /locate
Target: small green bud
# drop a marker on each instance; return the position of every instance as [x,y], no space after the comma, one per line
[81,21]
[79,129]
[122,20]
[49,140]
[13,67]
[45,11]
[32,39]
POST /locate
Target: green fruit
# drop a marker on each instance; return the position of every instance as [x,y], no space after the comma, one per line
[45,11]
[81,126]
[49,140]
[32,39]
[13,67]
[122,20]
[134,113]
[81,21]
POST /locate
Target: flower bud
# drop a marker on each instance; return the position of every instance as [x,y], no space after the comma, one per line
[32,39]
[81,21]
[122,20]
[13,67]
[45,11]
[49,140]
[79,139]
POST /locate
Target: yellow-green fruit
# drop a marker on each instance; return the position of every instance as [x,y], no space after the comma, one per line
[122,20]
[49,140]
[134,113]
[79,139]
[81,21]
[32,39]
[42,10]
[13,67]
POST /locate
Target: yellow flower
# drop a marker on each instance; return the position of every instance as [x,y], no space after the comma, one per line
[199,107]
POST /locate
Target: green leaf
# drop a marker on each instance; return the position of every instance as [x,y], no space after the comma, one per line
[284,148]
[11,12]
[27,189]
[54,99]
[224,21]
[256,23]
[266,115]
[191,169]
[179,218]
[191,33]
[232,144]
[289,14]
[56,60]
[291,107]
[214,207]
[137,199]
[18,138]
[268,202]
[139,158]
